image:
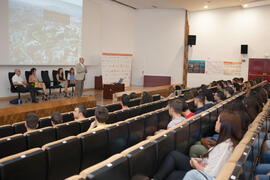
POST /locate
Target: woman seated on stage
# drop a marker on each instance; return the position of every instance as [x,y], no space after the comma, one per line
[71,76]
[61,80]
[180,166]
[33,79]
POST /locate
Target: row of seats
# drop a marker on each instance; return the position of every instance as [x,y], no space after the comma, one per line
[244,159]
[8,130]
[147,156]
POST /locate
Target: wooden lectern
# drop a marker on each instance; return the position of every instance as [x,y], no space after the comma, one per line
[110,89]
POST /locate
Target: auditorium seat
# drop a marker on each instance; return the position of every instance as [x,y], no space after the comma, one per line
[163,118]
[135,111]
[156,97]
[67,117]
[116,167]
[138,155]
[118,137]
[113,107]
[85,124]
[150,124]
[40,137]
[19,127]
[194,130]
[213,119]
[181,138]
[134,102]
[94,147]
[90,112]
[12,144]
[205,121]
[6,130]
[64,158]
[136,130]
[75,177]
[44,122]
[67,129]
[30,165]
[121,115]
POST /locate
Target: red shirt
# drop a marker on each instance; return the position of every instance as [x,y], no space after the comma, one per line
[189,115]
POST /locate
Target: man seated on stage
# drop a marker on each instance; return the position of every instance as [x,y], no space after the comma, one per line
[21,85]
[31,122]
[79,113]
[56,118]
[124,102]
[101,117]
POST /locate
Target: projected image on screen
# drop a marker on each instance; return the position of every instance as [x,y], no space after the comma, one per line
[45,32]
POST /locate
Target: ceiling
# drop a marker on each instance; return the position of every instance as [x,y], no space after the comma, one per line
[191,5]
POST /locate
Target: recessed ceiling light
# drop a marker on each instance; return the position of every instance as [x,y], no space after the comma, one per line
[205,6]
[245,5]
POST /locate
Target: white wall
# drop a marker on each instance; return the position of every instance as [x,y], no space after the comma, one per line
[107,27]
[220,34]
[159,44]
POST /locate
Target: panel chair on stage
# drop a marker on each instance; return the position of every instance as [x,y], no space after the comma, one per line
[13,89]
[46,79]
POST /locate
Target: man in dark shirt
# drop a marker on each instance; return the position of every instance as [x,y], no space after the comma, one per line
[199,103]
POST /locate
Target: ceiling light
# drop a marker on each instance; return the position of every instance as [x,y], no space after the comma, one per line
[205,6]
[245,5]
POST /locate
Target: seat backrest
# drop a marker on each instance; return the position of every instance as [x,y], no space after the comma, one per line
[136,131]
[67,129]
[113,107]
[19,127]
[12,87]
[44,122]
[150,124]
[90,112]
[205,124]
[30,165]
[54,73]
[116,167]
[118,138]
[94,147]
[138,158]
[67,117]
[27,74]
[156,97]
[122,115]
[40,137]
[181,138]
[12,144]
[66,74]
[45,78]
[85,124]
[163,119]
[194,131]
[134,102]
[64,158]
[6,130]
[213,119]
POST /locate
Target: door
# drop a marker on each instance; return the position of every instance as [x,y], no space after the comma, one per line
[259,68]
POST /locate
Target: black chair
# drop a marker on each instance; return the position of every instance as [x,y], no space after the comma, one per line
[67,117]
[113,107]
[205,124]
[150,125]
[181,138]
[67,129]
[69,84]
[134,102]
[213,119]
[163,119]
[6,130]
[85,124]
[40,137]
[64,158]
[90,112]
[14,89]
[19,127]
[12,144]
[136,131]
[118,138]
[194,131]
[156,97]
[30,165]
[44,122]
[94,147]
[46,79]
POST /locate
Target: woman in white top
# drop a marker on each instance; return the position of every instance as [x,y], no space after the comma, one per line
[179,166]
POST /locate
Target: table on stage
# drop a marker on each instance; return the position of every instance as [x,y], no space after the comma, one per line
[110,89]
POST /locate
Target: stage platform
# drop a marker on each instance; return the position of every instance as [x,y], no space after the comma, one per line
[18,113]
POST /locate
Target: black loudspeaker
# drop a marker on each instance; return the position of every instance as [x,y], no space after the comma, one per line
[244,49]
[191,40]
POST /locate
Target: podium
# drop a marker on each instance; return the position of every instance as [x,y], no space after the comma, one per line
[110,89]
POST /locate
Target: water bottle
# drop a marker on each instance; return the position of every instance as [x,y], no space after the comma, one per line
[70,94]
[19,101]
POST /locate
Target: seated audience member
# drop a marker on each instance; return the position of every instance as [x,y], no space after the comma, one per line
[236,88]
[219,97]
[171,90]
[220,86]
[61,80]
[101,117]
[33,79]
[133,95]
[71,76]
[124,101]
[229,83]
[228,92]
[146,98]
[178,166]
[79,113]
[21,85]
[213,84]
[252,106]
[209,99]
[56,118]
[241,81]
[186,111]
[31,122]
[175,111]
[199,103]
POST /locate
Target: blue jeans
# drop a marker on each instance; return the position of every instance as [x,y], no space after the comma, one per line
[262,169]
[198,175]
[263,177]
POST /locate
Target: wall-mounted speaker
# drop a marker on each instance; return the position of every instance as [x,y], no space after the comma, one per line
[244,49]
[191,40]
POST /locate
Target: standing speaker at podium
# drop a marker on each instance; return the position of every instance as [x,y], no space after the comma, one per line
[81,71]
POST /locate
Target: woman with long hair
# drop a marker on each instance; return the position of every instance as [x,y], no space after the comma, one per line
[33,79]
[180,166]
[61,80]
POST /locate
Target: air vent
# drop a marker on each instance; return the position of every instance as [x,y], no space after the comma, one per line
[124,4]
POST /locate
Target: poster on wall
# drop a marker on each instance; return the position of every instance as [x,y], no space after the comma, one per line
[232,68]
[116,67]
[196,66]
[214,67]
